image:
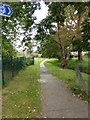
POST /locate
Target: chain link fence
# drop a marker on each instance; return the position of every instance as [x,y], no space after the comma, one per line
[11,66]
[82,74]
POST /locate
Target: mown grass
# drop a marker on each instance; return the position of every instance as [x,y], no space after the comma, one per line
[21,96]
[67,75]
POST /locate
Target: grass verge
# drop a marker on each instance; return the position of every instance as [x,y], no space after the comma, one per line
[68,76]
[21,96]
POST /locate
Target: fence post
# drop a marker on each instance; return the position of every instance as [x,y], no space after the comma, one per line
[77,72]
[79,79]
[33,60]
[12,66]
[3,82]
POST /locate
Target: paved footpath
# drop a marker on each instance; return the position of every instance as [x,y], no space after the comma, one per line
[57,99]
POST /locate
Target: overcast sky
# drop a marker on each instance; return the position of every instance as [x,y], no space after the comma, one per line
[40,14]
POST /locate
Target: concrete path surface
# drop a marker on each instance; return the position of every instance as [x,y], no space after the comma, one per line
[57,99]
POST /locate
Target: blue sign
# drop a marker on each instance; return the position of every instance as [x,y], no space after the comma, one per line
[5,10]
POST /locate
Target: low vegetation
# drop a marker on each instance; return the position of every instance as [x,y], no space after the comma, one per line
[21,97]
[68,76]
[84,65]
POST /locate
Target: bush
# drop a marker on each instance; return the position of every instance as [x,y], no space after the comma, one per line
[27,62]
[84,69]
[71,64]
[83,66]
[76,89]
[71,56]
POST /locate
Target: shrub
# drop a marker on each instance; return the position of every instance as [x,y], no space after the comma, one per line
[83,66]
[71,64]
[84,69]
[71,56]
[27,62]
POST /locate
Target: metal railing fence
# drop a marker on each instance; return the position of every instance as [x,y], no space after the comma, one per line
[82,74]
[11,66]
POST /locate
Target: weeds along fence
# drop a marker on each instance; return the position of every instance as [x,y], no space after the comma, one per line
[11,66]
[82,74]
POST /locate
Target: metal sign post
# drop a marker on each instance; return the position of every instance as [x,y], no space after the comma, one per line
[5,10]
[0,68]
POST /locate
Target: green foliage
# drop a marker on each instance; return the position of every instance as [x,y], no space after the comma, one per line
[68,19]
[57,12]
[83,66]
[76,89]
[27,62]
[80,7]
[82,43]
[11,26]
[81,39]
[46,29]
[86,33]
[71,64]
[49,48]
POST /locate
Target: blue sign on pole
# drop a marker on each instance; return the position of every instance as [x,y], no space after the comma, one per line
[5,10]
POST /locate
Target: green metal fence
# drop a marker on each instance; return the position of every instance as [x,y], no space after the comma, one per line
[11,66]
[82,74]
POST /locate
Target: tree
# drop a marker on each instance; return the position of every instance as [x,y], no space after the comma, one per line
[56,15]
[82,12]
[68,19]
[86,33]
[62,30]
[11,26]
[48,48]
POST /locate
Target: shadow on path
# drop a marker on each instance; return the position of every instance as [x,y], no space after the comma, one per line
[57,100]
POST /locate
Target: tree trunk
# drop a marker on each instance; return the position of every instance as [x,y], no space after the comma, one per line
[63,59]
[62,50]
[79,55]
[80,50]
